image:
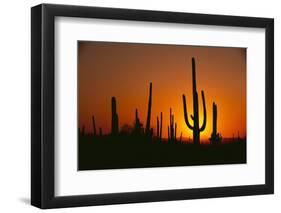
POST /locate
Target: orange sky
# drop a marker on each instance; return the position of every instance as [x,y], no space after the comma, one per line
[124,70]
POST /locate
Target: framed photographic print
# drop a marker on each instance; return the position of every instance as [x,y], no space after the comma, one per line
[140,106]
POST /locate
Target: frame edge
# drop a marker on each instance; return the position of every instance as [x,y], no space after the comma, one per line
[269,113]
[36,155]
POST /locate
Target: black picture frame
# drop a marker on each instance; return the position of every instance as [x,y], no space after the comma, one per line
[43,117]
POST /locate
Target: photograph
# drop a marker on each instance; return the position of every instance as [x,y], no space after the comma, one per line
[138,105]
[144,105]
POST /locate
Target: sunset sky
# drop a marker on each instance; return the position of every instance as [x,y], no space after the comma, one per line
[124,70]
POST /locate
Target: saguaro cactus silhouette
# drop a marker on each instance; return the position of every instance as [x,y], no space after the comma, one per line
[159,126]
[158,129]
[94,126]
[195,117]
[168,132]
[215,137]
[172,127]
[138,125]
[161,119]
[114,117]
[147,127]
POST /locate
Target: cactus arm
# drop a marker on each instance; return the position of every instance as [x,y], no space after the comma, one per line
[204,113]
[185,113]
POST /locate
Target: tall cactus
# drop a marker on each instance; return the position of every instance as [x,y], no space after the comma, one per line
[215,137]
[161,118]
[159,126]
[168,132]
[195,117]
[138,125]
[147,127]
[114,117]
[172,127]
[94,126]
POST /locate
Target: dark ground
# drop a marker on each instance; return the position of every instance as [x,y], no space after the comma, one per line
[108,152]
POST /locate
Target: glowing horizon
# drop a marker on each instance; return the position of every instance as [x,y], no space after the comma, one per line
[124,70]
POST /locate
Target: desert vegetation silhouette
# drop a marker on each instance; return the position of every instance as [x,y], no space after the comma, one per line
[138,146]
